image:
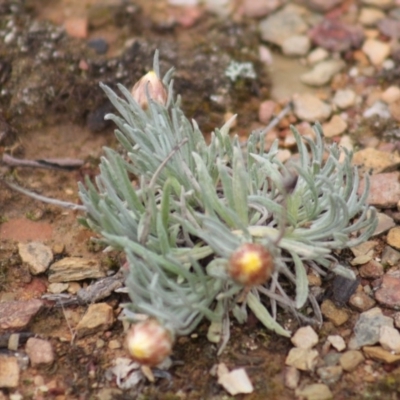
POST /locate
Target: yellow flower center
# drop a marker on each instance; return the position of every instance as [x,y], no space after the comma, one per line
[251,262]
[139,347]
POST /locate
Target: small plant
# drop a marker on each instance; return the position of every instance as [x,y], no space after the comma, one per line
[205,226]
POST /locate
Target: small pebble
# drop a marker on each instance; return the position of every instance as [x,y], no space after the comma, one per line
[336,36]
[291,377]
[322,73]
[99,45]
[40,352]
[350,360]
[281,25]
[305,338]
[384,224]
[371,270]
[257,8]
[98,318]
[315,391]
[330,375]
[376,51]
[393,237]
[360,260]
[9,372]
[344,98]
[391,94]
[266,111]
[296,46]
[364,248]
[370,16]
[390,256]
[74,287]
[379,108]
[336,315]
[310,108]
[388,293]
[361,301]
[37,255]
[378,353]
[114,344]
[367,328]
[337,342]
[390,339]
[384,188]
[57,288]
[302,359]
[335,127]
[317,55]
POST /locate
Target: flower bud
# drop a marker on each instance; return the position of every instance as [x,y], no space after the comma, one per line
[149,343]
[153,85]
[251,264]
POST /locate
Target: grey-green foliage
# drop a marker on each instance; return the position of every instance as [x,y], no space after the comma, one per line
[193,203]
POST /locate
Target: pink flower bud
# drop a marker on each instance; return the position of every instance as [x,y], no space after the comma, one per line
[153,85]
[149,343]
[251,264]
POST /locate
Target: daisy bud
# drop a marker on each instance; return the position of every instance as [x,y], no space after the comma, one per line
[153,85]
[149,343]
[251,264]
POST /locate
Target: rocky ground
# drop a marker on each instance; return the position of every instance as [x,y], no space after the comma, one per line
[335,61]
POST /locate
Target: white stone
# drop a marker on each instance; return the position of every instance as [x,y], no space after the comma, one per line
[302,359]
[317,55]
[322,73]
[391,94]
[308,107]
[344,98]
[57,288]
[389,338]
[291,377]
[379,108]
[305,338]
[298,45]
[376,51]
[235,382]
[337,342]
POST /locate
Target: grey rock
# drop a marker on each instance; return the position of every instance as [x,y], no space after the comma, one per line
[390,256]
[330,375]
[367,328]
[322,73]
[296,46]
[282,25]
[379,108]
